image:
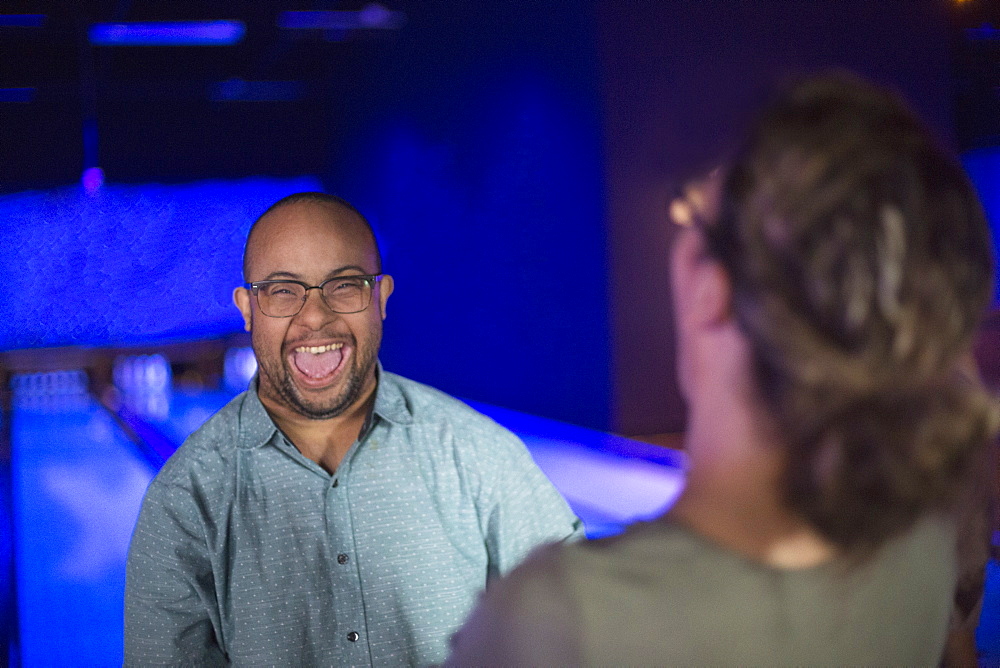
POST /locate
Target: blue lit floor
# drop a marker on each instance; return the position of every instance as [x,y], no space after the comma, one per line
[988,633]
[77,484]
[608,480]
[78,481]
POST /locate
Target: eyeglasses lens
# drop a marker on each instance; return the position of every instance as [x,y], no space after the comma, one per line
[342,295]
[347,295]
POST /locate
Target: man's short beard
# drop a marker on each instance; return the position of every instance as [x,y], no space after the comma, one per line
[281,384]
[352,392]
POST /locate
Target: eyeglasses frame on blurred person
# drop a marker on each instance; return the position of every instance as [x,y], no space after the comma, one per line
[687,207]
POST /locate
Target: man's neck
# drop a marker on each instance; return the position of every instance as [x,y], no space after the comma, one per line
[325,442]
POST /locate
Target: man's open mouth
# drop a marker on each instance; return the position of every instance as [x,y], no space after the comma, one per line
[318,362]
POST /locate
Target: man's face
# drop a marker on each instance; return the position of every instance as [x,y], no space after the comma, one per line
[317,363]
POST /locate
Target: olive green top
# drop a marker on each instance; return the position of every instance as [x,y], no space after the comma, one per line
[662,595]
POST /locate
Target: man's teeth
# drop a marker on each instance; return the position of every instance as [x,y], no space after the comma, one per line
[316,350]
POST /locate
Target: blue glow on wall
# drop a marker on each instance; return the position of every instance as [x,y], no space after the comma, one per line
[496,241]
[983,167]
[22,95]
[235,89]
[479,157]
[372,17]
[22,20]
[127,264]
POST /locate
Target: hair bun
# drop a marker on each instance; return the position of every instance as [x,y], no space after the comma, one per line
[870,467]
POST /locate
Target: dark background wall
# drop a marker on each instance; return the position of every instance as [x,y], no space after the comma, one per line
[470,136]
[678,79]
[516,159]
[475,148]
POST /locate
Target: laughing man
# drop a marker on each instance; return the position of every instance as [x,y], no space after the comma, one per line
[335,513]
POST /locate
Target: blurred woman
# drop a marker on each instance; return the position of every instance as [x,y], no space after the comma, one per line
[825,303]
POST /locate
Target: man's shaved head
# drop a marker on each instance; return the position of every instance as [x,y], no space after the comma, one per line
[319,198]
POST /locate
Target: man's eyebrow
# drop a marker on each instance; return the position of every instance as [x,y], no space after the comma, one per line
[277,275]
[280,274]
[350,267]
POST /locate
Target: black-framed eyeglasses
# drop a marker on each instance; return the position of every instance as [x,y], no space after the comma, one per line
[343,294]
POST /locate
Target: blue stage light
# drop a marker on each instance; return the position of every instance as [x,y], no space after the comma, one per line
[233,90]
[22,20]
[17,94]
[92,179]
[985,32]
[373,16]
[176,33]
[983,167]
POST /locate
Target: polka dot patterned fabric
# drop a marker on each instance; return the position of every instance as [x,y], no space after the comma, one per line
[247,550]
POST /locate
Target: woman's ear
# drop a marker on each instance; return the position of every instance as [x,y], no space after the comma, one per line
[702,288]
[713,292]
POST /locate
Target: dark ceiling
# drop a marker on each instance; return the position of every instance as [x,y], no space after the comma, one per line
[976,71]
[265,105]
[177,113]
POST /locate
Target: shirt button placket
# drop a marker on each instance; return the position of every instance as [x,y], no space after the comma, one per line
[347,581]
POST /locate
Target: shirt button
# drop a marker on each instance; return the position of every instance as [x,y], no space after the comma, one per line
[342,558]
[336,481]
[353,636]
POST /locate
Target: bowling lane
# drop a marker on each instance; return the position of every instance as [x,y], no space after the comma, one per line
[78,482]
[609,481]
[77,486]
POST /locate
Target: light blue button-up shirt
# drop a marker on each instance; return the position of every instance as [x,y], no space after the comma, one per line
[247,551]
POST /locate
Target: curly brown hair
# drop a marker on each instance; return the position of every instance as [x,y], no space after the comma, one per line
[861,266]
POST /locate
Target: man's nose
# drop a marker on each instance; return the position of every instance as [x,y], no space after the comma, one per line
[315,311]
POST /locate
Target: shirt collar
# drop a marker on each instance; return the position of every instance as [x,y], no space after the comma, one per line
[390,404]
[257,427]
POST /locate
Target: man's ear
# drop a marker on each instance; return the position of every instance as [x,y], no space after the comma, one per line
[385,287]
[241,297]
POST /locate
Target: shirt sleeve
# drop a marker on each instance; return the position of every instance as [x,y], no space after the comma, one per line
[523,510]
[525,619]
[171,615]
